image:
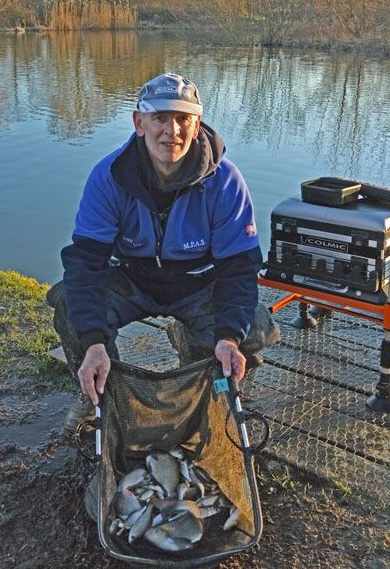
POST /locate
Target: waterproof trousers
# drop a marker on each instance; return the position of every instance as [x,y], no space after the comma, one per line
[191,334]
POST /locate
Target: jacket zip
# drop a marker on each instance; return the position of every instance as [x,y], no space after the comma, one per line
[160,228]
[159,232]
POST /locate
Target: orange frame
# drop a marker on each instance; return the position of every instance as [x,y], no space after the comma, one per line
[329,301]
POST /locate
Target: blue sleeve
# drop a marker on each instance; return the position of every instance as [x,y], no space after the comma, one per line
[86,278]
[233,221]
[86,261]
[99,211]
[237,255]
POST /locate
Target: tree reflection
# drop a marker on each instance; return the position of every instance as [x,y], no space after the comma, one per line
[336,106]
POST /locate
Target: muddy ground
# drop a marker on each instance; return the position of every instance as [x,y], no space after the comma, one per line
[43,523]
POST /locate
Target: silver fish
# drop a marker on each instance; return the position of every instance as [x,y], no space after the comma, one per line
[208,511]
[177,452]
[155,487]
[184,470]
[146,494]
[232,520]
[134,478]
[134,517]
[141,525]
[200,475]
[208,500]
[201,488]
[165,470]
[161,503]
[185,527]
[157,520]
[170,510]
[125,502]
[115,526]
[164,541]
[193,493]
[181,490]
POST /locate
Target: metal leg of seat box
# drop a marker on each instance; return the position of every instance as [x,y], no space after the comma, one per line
[317,311]
[305,319]
[380,401]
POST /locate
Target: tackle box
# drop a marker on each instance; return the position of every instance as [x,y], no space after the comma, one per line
[335,238]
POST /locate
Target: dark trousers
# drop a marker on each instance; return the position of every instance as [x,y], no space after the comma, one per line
[192,333]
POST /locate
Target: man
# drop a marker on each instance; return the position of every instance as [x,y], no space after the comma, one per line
[179,217]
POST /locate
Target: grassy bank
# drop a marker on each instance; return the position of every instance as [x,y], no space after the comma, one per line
[321,23]
[26,335]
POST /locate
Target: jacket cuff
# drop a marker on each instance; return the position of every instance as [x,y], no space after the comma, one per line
[225,334]
[92,337]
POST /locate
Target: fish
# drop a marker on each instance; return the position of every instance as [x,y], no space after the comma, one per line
[208,500]
[166,542]
[115,526]
[208,511]
[232,520]
[170,510]
[182,489]
[146,494]
[167,501]
[200,487]
[200,475]
[133,479]
[141,525]
[134,517]
[177,452]
[192,493]
[155,487]
[184,470]
[180,532]
[125,502]
[165,470]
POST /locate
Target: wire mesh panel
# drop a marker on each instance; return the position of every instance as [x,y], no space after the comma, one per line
[149,346]
[312,387]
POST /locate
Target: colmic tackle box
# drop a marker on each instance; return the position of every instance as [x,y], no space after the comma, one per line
[343,250]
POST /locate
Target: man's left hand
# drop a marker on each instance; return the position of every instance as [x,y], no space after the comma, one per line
[232,360]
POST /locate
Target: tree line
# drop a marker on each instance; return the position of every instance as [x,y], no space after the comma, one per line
[270,22]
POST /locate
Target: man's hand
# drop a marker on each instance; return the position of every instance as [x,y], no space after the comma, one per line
[93,371]
[232,360]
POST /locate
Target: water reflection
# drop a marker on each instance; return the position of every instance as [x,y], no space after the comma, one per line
[286,116]
[337,106]
[76,80]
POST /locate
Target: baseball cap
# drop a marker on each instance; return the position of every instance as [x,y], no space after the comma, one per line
[170,92]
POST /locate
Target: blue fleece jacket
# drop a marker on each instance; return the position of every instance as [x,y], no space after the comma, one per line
[210,220]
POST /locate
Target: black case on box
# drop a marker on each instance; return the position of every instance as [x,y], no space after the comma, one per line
[330,191]
[343,250]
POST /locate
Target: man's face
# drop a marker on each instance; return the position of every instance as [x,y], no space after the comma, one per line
[168,136]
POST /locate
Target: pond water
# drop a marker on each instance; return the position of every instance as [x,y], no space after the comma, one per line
[66,101]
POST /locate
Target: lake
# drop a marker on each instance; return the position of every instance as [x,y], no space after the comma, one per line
[66,101]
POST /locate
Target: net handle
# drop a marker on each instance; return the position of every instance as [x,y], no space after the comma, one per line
[96,425]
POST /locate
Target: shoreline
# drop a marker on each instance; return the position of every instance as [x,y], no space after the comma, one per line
[216,36]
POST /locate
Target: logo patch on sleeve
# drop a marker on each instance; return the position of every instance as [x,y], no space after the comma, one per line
[250,230]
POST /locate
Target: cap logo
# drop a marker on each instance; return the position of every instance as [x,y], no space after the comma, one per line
[166,90]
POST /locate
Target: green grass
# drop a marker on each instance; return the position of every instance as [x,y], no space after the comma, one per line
[342,486]
[26,332]
[286,480]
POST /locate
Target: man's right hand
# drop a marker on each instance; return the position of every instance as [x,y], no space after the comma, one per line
[93,372]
